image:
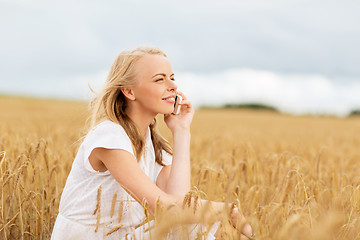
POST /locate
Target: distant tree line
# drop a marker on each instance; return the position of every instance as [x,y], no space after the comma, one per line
[254,106]
[355,112]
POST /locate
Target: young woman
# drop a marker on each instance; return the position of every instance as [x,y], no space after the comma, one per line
[124,164]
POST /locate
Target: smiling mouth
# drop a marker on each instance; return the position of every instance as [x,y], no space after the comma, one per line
[169,98]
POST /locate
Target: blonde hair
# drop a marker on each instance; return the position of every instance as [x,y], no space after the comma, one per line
[110,104]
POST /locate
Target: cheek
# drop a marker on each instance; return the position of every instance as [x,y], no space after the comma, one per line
[150,95]
[156,92]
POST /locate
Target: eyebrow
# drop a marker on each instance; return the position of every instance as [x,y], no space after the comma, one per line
[163,74]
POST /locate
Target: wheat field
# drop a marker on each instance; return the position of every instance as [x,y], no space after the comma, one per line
[294,177]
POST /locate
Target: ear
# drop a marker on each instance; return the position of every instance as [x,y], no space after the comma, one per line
[128,93]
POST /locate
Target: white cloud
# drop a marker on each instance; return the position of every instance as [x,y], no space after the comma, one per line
[293,93]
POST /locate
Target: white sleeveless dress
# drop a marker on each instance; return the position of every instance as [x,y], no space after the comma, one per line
[78,211]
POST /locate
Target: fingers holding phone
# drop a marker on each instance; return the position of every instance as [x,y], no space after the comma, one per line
[182,105]
[182,114]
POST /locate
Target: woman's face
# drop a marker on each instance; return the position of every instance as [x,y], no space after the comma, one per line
[155,89]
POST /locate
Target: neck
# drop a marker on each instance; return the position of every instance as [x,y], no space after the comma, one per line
[142,119]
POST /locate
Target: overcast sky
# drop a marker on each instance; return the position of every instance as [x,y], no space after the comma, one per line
[300,56]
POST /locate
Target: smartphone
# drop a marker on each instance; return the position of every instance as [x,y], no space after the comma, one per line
[177,105]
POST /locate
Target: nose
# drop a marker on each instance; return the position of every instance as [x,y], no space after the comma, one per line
[172,86]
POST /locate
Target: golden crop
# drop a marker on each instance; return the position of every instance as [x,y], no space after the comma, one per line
[293,177]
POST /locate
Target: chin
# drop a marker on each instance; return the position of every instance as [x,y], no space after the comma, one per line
[167,111]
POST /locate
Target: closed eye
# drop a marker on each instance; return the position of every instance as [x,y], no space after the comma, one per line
[161,79]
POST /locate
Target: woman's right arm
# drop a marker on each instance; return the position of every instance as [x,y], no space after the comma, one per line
[125,169]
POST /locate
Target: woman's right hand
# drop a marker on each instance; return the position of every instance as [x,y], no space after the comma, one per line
[182,120]
[246,230]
